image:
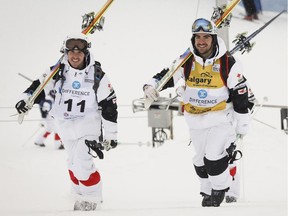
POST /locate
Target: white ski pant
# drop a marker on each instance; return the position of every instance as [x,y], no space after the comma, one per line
[211,143]
[85,177]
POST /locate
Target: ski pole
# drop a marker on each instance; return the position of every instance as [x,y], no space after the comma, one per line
[27,78]
[239,137]
[36,131]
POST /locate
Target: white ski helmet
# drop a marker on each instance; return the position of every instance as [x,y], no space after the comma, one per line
[76,41]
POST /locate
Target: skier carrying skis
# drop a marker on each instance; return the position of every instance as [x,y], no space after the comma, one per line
[212,103]
[83,99]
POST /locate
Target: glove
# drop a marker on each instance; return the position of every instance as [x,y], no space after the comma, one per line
[150,92]
[23,106]
[109,144]
[243,123]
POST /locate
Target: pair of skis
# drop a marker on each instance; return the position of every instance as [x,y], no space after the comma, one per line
[90,23]
[220,17]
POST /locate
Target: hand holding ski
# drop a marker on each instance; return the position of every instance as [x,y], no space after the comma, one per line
[172,69]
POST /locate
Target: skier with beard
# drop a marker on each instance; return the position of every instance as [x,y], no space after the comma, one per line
[216,103]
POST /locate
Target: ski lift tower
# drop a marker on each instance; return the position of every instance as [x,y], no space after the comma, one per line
[223,32]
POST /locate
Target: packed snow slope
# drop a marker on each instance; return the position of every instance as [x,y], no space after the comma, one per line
[139,39]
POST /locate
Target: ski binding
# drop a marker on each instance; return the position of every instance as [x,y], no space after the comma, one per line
[88,19]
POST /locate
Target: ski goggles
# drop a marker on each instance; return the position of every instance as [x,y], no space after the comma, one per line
[76,44]
[204,25]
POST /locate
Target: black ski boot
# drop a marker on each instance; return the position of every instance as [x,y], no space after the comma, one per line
[217,197]
[206,202]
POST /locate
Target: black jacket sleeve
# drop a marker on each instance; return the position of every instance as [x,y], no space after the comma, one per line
[32,88]
[160,75]
[239,97]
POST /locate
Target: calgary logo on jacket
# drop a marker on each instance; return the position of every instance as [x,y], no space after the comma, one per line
[205,78]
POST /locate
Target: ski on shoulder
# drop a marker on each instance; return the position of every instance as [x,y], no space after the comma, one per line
[221,17]
[90,23]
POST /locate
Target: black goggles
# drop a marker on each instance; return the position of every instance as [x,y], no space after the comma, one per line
[202,24]
[76,44]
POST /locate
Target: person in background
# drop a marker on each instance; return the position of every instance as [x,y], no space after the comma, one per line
[250,9]
[48,128]
[258,6]
[82,98]
[213,102]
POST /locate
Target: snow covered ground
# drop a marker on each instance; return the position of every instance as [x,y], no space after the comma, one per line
[139,39]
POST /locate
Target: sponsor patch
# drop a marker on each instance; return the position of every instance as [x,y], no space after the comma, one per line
[202,93]
[89,81]
[206,74]
[76,85]
[110,87]
[240,77]
[216,68]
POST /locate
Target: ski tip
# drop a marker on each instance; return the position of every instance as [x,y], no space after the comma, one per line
[21,118]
